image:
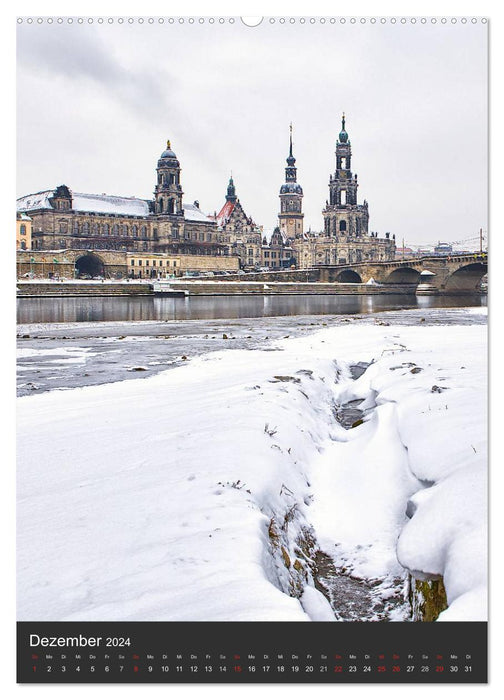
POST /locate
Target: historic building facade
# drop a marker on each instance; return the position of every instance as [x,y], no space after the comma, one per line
[63,220]
[237,232]
[343,217]
[345,238]
[23,231]
[116,264]
[277,253]
[166,232]
[290,218]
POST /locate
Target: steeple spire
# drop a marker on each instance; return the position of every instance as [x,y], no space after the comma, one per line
[231,191]
[343,136]
[291,196]
[290,160]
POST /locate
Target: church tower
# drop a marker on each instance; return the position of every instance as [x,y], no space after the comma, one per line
[343,217]
[168,191]
[231,191]
[291,215]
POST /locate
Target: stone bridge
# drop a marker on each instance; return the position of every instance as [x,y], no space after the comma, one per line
[447,274]
[431,274]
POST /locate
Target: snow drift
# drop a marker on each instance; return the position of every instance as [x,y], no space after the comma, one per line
[188,495]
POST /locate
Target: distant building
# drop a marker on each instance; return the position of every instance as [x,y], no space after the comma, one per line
[67,220]
[345,238]
[116,264]
[343,217]
[23,231]
[237,232]
[290,219]
[88,226]
[443,249]
[404,252]
[277,253]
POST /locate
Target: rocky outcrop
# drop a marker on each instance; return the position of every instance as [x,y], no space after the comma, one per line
[427,599]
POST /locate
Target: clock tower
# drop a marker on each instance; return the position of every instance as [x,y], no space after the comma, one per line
[343,217]
[291,216]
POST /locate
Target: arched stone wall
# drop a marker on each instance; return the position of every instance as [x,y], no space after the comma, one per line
[466,278]
[403,275]
[89,264]
[349,276]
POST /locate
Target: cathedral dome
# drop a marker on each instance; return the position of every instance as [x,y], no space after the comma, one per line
[168,154]
[291,188]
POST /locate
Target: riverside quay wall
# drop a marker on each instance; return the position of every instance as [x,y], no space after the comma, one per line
[200,288]
[453,275]
[117,265]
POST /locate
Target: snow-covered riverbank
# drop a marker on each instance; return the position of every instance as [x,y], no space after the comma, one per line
[188,495]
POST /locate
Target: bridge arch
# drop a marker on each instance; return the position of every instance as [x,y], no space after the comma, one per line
[403,275]
[349,276]
[89,264]
[467,277]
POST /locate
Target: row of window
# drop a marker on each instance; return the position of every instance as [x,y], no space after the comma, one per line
[169,263]
[341,197]
[342,226]
[291,206]
[123,230]
[96,245]
[168,179]
[86,229]
[194,235]
[285,254]
[134,231]
[169,207]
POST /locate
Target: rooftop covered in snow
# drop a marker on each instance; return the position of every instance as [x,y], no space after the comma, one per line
[194,213]
[103,204]
[98,203]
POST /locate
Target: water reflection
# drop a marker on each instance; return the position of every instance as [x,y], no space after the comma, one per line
[81,309]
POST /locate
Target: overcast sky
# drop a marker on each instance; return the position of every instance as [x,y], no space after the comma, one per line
[96,104]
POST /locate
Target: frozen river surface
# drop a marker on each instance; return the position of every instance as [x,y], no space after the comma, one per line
[73,354]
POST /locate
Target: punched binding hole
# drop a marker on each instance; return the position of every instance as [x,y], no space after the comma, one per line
[251,21]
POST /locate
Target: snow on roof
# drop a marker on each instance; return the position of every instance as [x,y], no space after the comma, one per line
[100,203]
[107,204]
[225,213]
[193,213]
[39,200]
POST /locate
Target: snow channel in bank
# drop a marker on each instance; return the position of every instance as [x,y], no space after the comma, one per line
[161,498]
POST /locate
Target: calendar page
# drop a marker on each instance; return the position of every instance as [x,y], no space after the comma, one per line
[251,279]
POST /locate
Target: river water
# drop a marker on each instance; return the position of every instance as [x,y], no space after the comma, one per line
[75,342]
[81,309]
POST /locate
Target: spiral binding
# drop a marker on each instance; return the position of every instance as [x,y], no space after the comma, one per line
[232,20]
